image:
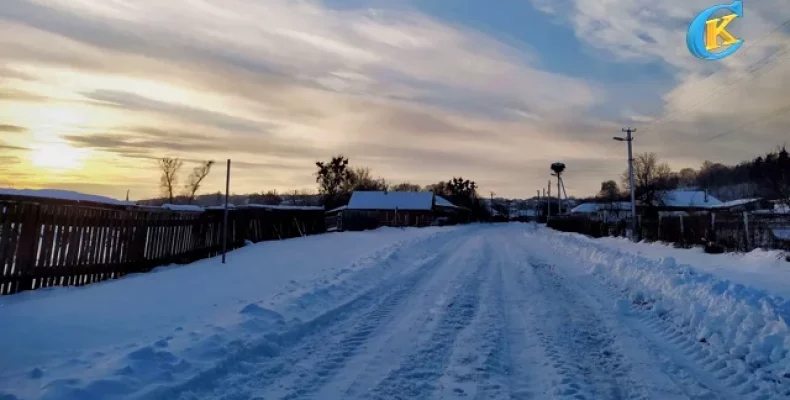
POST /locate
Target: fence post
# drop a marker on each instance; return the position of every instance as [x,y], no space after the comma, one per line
[658,237]
[712,235]
[682,231]
[746,229]
[640,236]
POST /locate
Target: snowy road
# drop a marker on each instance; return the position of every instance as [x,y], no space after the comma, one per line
[483,312]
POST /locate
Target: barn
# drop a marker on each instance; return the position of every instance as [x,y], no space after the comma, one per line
[373,209]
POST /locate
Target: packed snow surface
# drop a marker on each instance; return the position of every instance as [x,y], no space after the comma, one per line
[506,311]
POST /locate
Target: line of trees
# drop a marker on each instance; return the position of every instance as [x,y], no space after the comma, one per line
[765,176]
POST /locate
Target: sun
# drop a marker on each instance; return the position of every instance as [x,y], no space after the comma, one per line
[57,157]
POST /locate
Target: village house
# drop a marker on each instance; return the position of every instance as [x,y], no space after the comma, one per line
[373,209]
[672,202]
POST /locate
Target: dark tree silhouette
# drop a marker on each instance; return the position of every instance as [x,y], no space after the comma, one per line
[609,191]
[333,180]
[195,179]
[169,177]
[406,187]
[651,179]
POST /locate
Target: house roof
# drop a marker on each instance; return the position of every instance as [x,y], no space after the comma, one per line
[391,201]
[182,207]
[442,202]
[595,207]
[688,198]
[739,202]
[63,195]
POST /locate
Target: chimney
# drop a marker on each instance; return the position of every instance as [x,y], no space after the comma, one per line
[706,196]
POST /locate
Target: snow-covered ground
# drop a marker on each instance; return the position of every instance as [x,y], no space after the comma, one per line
[505,311]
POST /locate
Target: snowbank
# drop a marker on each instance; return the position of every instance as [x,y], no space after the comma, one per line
[63,195]
[747,323]
[763,269]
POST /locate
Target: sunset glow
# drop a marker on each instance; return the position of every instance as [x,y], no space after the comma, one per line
[94,92]
[57,157]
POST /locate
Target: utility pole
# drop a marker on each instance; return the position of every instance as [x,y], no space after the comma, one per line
[543,198]
[559,196]
[225,215]
[548,203]
[537,206]
[628,138]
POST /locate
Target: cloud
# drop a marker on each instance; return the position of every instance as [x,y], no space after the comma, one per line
[279,84]
[703,115]
[12,128]
[370,52]
[130,101]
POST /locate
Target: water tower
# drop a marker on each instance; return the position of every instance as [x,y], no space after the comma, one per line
[558,169]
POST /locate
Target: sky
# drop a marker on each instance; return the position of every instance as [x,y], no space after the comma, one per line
[93,92]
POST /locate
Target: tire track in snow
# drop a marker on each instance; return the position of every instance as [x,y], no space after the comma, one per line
[418,376]
[252,368]
[716,375]
[334,356]
[680,355]
[479,366]
[695,366]
[582,344]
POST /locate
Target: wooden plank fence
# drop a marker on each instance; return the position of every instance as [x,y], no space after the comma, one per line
[45,243]
[733,231]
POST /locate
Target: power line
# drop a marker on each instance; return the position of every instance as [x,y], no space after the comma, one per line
[772,114]
[742,53]
[719,90]
[780,51]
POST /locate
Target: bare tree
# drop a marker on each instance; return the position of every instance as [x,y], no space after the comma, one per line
[361,179]
[196,178]
[651,179]
[169,178]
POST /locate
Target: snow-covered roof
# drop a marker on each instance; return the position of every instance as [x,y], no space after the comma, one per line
[734,203]
[285,207]
[442,202]
[182,207]
[391,201]
[587,208]
[63,195]
[222,207]
[688,198]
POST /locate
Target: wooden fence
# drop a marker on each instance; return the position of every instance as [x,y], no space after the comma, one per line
[738,231]
[46,243]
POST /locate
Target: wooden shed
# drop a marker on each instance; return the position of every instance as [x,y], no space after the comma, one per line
[373,209]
